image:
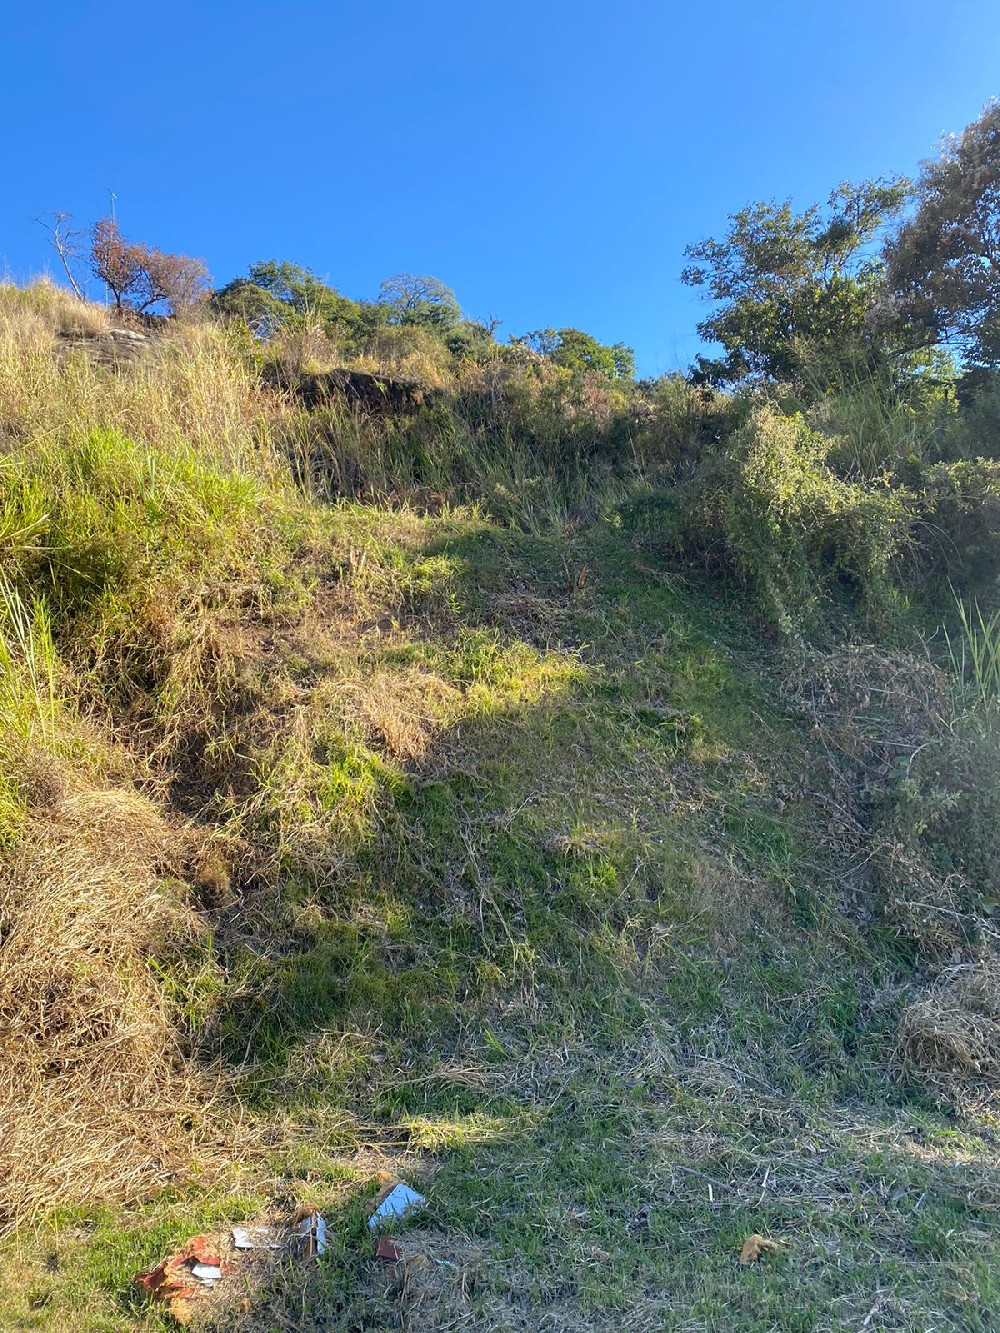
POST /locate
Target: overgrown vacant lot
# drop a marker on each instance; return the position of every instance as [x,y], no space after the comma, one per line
[346,842]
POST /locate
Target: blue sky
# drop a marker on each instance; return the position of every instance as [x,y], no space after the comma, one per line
[547,160]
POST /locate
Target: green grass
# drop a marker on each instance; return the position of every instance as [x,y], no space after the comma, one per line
[528,894]
[975,653]
[569,968]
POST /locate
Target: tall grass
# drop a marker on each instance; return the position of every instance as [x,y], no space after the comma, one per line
[132,497]
[974,650]
[29,702]
[441,458]
[193,385]
[28,665]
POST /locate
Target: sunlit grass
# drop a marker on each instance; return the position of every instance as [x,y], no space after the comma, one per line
[974,651]
[448,838]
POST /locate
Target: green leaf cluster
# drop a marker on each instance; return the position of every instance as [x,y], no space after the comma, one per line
[793,289]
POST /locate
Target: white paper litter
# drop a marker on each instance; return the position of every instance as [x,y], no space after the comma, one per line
[313,1228]
[207,1273]
[395,1204]
[256,1238]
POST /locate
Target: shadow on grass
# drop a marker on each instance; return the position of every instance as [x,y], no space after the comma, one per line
[540,829]
[579,970]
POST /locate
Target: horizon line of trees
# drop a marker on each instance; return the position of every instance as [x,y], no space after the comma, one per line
[889,276]
[275,295]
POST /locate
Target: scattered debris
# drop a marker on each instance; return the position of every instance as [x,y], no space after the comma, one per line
[187,1276]
[397,1203]
[387,1251]
[175,1281]
[312,1235]
[755,1246]
[256,1238]
[207,1273]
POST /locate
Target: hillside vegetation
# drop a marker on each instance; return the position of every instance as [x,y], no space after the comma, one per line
[576,796]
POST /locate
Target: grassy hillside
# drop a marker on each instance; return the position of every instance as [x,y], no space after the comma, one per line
[546,804]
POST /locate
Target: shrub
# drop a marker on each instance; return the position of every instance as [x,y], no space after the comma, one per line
[958,529]
[677,423]
[912,763]
[768,508]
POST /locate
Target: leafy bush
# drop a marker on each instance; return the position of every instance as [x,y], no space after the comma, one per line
[958,530]
[769,509]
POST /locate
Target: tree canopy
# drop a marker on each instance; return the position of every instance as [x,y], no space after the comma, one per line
[141,277]
[577,351]
[792,288]
[410,298]
[944,264]
[275,293]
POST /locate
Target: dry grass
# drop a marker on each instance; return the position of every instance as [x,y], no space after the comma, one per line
[403,712]
[870,705]
[192,384]
[899,770]
[920,901]
[409,354]
[51,309]
[95,1099]
[952,1035]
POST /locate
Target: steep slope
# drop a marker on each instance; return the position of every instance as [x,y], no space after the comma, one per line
[351,841]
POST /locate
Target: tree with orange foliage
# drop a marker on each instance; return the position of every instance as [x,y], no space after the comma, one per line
[140,277]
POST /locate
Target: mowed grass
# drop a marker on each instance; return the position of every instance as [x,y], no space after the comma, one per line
[524,896]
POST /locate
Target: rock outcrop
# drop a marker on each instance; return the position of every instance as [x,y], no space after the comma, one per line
[375,394]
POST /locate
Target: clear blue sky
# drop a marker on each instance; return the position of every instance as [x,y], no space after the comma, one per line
[547,160]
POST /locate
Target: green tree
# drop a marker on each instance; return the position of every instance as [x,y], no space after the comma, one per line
[275,294]
[409,298]
[577,351]
[794,289]
[943,265]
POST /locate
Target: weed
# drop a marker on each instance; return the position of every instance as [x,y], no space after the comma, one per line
[975,653]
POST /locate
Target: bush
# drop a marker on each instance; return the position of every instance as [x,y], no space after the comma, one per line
[678,423]
[407,351]
[958,530]
[768,509]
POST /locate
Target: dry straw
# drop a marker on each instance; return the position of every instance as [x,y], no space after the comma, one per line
[95,1099]
[952,1035]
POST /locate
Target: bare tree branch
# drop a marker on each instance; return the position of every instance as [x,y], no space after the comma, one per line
[68,243]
